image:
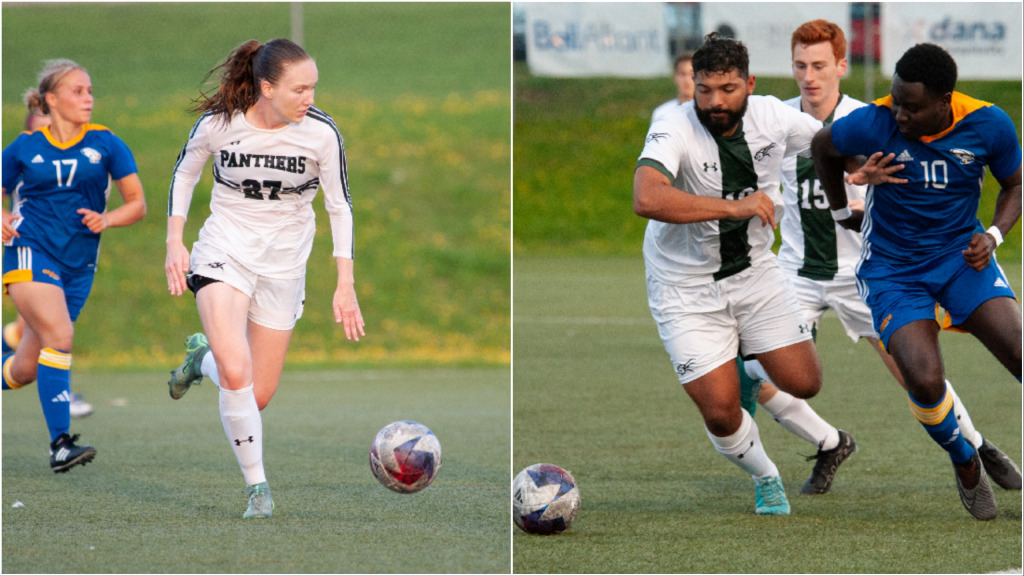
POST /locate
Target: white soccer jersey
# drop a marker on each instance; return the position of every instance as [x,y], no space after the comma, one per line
[813,245]
[664,108]
[264,185]
[730,168]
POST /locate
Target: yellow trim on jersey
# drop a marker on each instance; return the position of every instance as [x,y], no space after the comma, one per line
[11,382]
[932,416]
[961,104]
[85,128]
[55,359]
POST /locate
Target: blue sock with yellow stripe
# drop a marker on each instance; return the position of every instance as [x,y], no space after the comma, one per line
[9,382]
[939,420]
[54,383]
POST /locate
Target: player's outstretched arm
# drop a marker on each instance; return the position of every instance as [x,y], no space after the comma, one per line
[655,198]
[346,305]
[876,170]
[1008,212]
[829,165]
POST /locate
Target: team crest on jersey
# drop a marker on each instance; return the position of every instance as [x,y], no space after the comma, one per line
[655,136]
[965,156]
[764,152]
[93,156]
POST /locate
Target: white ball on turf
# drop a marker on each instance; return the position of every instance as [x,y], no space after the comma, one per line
[545,499]
[405,456]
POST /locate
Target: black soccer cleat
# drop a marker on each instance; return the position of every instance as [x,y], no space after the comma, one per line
[975,491]
[999,466]
[828,462]
[64,454]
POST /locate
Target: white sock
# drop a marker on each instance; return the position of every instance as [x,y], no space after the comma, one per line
[244,427]
[963,419]
[744,449]
[209,368]
[797,416]
[754,369]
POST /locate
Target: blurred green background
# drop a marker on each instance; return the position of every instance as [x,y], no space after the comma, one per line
[420,92]
[577,142]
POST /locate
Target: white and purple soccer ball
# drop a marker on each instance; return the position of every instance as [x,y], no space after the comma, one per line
[405,456]
[545,499]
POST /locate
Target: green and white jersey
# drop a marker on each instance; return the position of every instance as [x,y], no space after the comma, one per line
[732,168]
[813,245]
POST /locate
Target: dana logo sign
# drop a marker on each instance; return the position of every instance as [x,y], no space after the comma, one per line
[597,39]
[983,37]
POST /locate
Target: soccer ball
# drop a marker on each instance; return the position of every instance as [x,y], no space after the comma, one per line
[405,456]
[545,499]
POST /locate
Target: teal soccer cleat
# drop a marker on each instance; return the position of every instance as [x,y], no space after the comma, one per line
[771,497]
[189,373]
[750,388]
[261,504]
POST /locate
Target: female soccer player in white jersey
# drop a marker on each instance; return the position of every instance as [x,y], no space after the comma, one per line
[271,150]
[52,244]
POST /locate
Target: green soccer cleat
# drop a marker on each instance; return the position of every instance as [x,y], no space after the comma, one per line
[189,373]
[750,388]
[771,497]
[261,504]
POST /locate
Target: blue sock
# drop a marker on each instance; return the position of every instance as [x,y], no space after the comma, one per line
[54,383]
[939,420]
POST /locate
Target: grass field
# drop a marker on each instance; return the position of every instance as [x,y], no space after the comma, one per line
[165,495]
[421,94]
[595,394]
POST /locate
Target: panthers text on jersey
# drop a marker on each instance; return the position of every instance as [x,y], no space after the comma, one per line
[54,180]
[264,185]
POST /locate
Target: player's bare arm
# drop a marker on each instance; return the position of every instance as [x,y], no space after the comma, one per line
[346,305]
[1008,212]
[177,263]
[655,198]
[829,165]
[133,209]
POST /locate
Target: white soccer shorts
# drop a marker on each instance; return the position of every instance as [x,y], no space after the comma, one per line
[275,303]
[703,327]
[817,296]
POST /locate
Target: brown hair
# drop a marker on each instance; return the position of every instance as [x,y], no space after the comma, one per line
[51,75]
[817,31]
[242,73]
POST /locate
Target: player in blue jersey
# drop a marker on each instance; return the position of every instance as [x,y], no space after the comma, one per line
[12,331]
[51,246]
[923,242]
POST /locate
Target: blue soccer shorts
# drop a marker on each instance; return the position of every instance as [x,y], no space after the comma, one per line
[26,264]
[948,282]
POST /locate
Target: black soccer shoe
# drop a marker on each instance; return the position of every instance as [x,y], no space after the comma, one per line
[64,454]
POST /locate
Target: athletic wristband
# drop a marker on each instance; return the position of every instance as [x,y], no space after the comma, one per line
[995,233]
[842,214]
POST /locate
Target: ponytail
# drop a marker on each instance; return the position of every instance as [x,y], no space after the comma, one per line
[242,73]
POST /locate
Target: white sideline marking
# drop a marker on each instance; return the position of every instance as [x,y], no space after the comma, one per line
[591,320]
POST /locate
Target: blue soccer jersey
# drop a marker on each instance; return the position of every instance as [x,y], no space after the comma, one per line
[58,180]
[936,212]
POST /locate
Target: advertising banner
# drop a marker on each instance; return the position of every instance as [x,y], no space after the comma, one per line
[983,37]
[766,28]
[624,39]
